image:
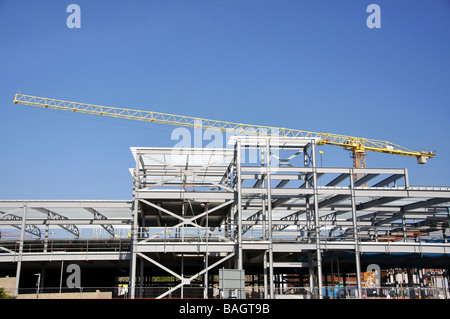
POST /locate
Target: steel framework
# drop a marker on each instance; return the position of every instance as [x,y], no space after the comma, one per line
[263,205]
[266,204]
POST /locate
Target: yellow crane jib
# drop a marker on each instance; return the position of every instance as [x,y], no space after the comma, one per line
[357,145]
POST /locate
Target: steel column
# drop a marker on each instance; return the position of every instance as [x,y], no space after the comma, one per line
[134,231]
[355,234]
[316,220]
[266,295]
[269,212]
[239,200]
[205,277]
[19,260]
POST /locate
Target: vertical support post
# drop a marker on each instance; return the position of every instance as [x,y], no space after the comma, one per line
[206,274]
[355,230]
[183,213]
[310,225]
[61,278]
[311,262]
[405,233]
[263,197]
[134,232]
[309,205]
[141,278]
[239,195]
[205,277]
[266,295]
[406,179]
[316,220]
[22,236]
[46,236]
[269,213]
[182,276]
[264,234]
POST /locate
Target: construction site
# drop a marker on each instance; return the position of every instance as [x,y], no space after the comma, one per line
[259,219]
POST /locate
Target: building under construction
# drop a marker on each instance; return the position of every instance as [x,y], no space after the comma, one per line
[259,219]
[263,207]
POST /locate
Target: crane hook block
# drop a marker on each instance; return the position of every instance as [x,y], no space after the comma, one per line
[422,159]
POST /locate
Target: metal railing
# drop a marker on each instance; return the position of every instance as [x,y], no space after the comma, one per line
[364,234]
[380,235]
[58,245]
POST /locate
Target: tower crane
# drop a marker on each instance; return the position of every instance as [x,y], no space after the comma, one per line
[358,146]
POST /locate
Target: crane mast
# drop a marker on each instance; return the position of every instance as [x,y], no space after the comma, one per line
[357,145]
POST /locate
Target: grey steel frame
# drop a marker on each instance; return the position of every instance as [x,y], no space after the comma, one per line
[251,204]
[10,253]
[261,199]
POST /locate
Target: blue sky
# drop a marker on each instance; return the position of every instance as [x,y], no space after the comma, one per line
[311,65]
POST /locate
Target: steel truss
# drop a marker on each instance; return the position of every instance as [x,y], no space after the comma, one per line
[32,215]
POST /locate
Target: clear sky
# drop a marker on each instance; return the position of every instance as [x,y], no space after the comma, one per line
[312,65]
